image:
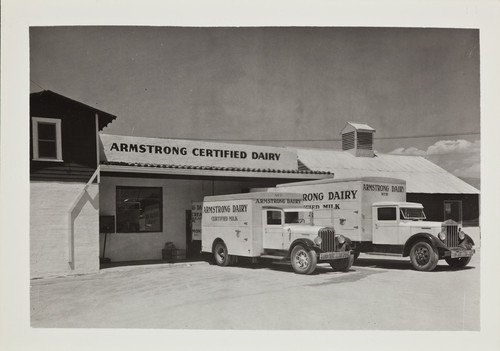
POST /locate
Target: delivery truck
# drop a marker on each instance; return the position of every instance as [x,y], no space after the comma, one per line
[270,225]
[374,214]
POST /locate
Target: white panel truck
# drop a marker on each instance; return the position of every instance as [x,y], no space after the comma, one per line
[374,214]
[272,226]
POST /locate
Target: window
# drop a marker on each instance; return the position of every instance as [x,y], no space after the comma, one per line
[274,217]
[386,213]
[47,139]
[138,209]
[303,217]
[412,213]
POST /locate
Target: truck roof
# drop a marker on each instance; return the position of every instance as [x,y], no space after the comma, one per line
[400,204]
[253,195]
[343,180]
[288,208]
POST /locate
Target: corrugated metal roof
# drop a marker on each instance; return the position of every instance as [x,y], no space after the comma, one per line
[421,175]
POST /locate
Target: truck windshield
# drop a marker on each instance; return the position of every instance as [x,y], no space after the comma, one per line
[412,213]
[301,217]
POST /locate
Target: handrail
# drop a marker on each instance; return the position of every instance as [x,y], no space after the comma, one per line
[71,231]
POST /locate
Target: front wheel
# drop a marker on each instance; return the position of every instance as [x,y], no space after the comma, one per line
[304,260]
[459,262]
[343,264]
[423,256]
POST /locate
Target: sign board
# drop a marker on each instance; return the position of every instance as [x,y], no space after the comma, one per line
[196,211]
[118,148]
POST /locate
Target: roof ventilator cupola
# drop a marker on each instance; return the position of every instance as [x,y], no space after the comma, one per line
[357,138]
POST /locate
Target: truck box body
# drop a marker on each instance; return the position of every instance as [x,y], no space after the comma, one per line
[237,218]
[346,204]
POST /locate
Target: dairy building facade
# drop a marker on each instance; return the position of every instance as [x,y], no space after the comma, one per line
[122,197]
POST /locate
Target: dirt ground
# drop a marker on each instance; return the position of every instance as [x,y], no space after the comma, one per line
[378,293]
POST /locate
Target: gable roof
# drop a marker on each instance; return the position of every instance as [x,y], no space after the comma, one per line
[45,98]
[421,175]
[357,126]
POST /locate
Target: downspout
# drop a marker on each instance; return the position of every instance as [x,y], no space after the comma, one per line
[97,144]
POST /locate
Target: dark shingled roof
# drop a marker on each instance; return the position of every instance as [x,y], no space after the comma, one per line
[46,98]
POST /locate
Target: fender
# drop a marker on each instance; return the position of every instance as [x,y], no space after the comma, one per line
[426,236]
[468,239]
[347,240]
[305,242]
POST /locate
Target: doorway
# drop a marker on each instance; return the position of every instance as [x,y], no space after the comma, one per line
[193,247]
[453,210]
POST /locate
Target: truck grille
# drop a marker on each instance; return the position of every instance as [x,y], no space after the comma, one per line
[327,240]
[451,234]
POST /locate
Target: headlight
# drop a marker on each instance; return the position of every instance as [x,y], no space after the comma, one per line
[317,240]
[442,234]
[341,239]
[461,235]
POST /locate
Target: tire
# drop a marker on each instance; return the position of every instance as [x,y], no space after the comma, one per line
[459,262]
[423,256]
[343,264]
[356,255]
[304,260]
[221,255]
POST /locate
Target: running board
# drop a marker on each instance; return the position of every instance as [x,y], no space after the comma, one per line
[273,257]
[383,254]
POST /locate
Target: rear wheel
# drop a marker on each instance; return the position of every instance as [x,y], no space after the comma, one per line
[304,260]
[423,256]
[459,262]
[221,256]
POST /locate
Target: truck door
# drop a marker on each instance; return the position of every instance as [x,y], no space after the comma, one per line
[273,229]
[385,225]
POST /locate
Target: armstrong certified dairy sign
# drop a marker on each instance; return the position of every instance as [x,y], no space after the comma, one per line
[118,148]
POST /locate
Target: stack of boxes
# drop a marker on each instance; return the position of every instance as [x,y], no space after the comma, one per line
[171,254]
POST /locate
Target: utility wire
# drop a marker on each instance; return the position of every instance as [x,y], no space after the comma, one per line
[337,139]
[32,81]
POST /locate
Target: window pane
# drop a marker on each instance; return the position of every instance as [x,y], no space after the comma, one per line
[47,131]
[47,149]
[273,217]
[138,209]
[387,214]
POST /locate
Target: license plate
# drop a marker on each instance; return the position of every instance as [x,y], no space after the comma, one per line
[333,255]
[462,253]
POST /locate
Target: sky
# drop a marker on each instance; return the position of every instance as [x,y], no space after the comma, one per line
[282,86]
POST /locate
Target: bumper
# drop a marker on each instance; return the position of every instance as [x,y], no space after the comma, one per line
[457,253]
[328,256]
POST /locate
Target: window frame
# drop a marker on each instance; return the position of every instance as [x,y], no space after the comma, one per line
[395,210]
[160,208]
[55,121]
[282,219]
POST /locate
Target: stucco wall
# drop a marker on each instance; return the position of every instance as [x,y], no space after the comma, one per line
[176,194]
[177,197]
[49,229]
